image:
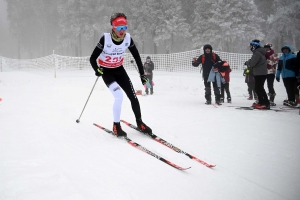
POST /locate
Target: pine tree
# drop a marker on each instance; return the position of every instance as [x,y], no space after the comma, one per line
[225,23]
[171,24]
[284,24]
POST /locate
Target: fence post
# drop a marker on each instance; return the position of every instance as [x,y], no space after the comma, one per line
[54,63]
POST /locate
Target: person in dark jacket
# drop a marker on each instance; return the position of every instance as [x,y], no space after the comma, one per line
[107,61]
[207,60]
[298,78]
[249,79]
[258,65]
[288,69]
[148,68]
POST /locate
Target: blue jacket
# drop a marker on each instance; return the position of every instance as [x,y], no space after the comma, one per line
[215,76]
[287,64]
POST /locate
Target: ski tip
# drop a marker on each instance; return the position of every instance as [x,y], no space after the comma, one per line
[183,169]
[97,125]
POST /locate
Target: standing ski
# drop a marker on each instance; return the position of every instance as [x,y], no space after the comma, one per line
[171,146]
[136,145]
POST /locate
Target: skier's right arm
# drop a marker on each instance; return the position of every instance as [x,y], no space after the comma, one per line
[197,62]
[97,51]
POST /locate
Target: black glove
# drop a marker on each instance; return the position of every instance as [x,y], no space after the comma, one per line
[144,79]
[277,79]
[245,63]
[99,72]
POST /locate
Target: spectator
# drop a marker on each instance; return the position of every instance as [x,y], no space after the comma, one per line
[271,65]
[224,69]
[148,68]
[298,78]
[258,64]
[287,68]
[249,79]
[207,60]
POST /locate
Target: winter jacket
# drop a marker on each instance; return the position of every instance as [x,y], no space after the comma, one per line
[226,75]
[287,65]
[258,62]
[298,66]
[148,68]
[271,61]
[215,76]
[208,61]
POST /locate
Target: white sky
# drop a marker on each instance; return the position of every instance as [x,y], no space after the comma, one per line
[45,154]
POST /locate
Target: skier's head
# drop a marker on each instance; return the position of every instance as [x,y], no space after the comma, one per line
[119,24]
[286,49]
[148,59]
[254,44]
[207,48]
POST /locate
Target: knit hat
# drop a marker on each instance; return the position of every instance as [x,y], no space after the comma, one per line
[148,57]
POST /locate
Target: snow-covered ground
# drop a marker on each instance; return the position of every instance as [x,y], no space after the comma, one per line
[45,154]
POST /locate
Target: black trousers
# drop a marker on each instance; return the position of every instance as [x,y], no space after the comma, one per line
[260,90]
[225,86]
[290,85]
[251,89]
[270,82]
[207,86]
[120,76]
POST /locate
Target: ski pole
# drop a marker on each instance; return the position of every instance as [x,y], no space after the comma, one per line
[78,120]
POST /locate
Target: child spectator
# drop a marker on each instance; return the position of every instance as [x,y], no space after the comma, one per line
[249,79]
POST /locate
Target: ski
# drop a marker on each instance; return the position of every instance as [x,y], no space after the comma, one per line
[251,108]
[167,144]
[140,147]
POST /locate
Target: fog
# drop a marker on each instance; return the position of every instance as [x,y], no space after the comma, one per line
[37,28]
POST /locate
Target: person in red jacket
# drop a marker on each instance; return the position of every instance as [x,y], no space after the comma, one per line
[225,86]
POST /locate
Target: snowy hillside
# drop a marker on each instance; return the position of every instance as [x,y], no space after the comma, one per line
[45,154]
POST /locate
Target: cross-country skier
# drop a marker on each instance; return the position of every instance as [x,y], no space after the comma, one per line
[109,53]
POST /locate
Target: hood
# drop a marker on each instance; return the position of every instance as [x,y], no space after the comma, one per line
[286,47]
[207,46]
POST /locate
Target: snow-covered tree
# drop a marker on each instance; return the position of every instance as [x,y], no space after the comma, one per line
[171,24]
[226,23]
[284,24]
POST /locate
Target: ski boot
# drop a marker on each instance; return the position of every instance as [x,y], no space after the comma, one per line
[290,103]
[272,103]
[218,102]
[272,97]
[118,130]
[250,98]
[143,127]
[255,104]
[208,102]
[228,100]
[221,100]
